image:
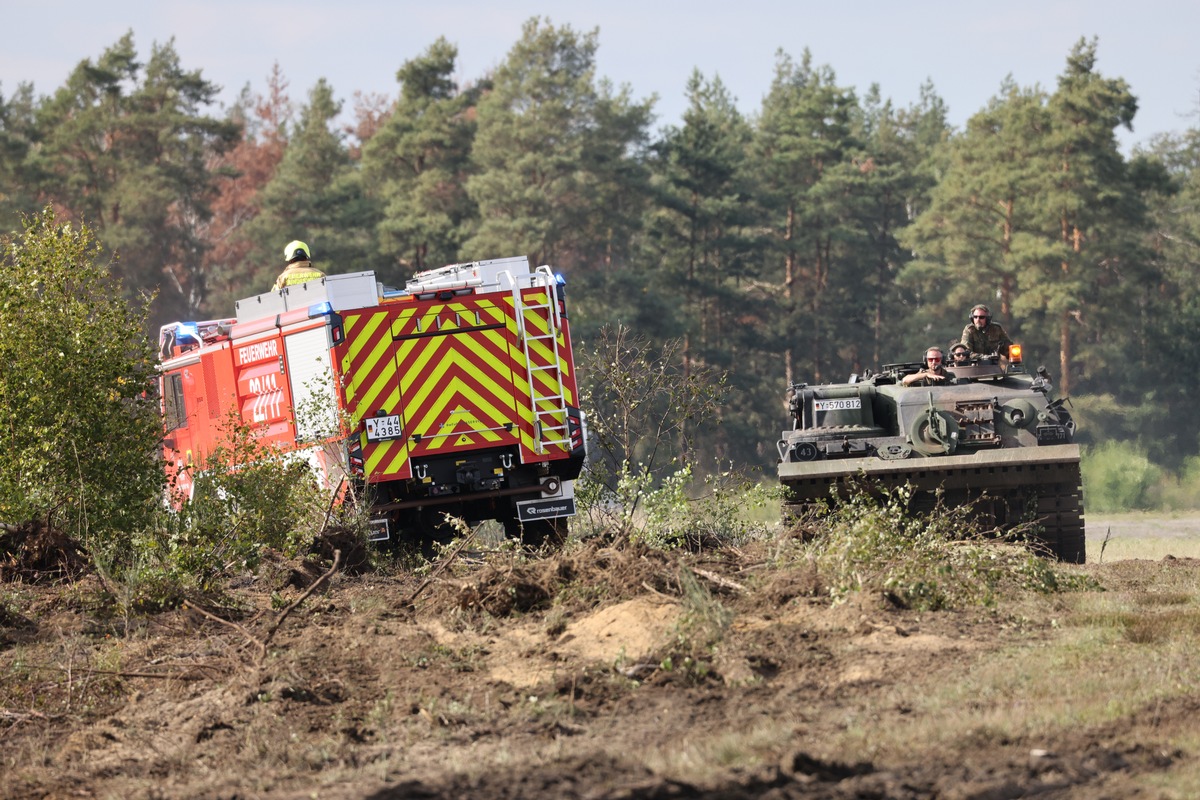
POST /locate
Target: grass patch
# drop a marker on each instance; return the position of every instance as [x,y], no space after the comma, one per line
[1139,535]
[1110,657]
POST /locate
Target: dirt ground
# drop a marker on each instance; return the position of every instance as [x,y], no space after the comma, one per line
[593,673]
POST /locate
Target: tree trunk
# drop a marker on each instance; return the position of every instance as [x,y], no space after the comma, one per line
[789,281]
[1064,351]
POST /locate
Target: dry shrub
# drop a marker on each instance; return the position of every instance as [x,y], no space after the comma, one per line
[584,576]
[39,553]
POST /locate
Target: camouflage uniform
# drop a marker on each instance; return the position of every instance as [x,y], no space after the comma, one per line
[297,272]
[987,341]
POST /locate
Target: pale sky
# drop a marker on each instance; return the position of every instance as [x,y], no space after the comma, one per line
[965,48]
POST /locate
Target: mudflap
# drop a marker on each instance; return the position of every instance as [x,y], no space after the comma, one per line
[1036,487]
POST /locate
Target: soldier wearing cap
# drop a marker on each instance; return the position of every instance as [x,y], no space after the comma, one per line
[299,269]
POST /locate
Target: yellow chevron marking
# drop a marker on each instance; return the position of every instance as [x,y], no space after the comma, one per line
[385,380]
[397,462]
[365,365]
[433,380]
[454,388]
[393,453]
[358,339]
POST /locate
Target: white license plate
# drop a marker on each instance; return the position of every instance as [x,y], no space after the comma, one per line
[838,404]
[380,428]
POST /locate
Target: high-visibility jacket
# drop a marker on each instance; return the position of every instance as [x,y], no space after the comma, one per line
[297,272]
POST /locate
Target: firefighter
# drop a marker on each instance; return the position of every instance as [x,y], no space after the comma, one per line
[299,269]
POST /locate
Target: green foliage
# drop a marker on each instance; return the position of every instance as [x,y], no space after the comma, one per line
[684,510]
[79,422]
[643,408]
[315,195]
[1039,211]
[550,150]
[680,510]
[248,497]
[1118,477]
[703,624]
[18,180]
[806,155]
[932,561]
[824,234]
[643,405]
[124,144]
[418,162]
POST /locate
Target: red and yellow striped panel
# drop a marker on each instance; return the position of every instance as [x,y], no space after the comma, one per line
[455,372]
[371,384]
[456,377]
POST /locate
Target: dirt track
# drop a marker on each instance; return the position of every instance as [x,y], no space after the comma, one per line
[560,678]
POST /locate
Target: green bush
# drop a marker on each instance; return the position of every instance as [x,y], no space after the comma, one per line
[680,510]
[1181,492]
[79,421]
[684,510]
[930,561]
[1119,477]
[248,497]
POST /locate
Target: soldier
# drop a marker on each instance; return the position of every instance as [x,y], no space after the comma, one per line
[934,372]
[984,337]
[299,266]
[960,355]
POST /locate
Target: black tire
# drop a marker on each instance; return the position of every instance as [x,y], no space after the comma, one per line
[538,534]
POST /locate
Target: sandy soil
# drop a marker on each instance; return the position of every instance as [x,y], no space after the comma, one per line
[595,673]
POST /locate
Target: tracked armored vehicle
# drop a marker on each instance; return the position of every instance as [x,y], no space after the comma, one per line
[990,435]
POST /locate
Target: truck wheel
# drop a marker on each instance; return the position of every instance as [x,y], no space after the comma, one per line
[537,534]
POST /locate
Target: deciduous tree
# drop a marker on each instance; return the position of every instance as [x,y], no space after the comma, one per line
[79,420]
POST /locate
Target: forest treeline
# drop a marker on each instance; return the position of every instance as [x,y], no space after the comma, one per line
[826,233]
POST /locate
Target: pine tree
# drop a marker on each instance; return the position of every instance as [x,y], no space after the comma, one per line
[985,221]
[241,175]
[1092,201]
[18,183]
[804,150]
[698,242]
[127,147]
[550,150]
[897,171]
[417,165]
[315,196]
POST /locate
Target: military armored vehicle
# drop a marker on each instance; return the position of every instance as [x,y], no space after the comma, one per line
[990,436]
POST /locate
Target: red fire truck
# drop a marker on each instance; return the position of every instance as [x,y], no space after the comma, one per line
[454,395]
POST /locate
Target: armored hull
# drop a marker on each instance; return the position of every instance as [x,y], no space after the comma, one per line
[990,436]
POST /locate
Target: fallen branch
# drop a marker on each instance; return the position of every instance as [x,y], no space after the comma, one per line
[260,645]
[719,580]
[337,557]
